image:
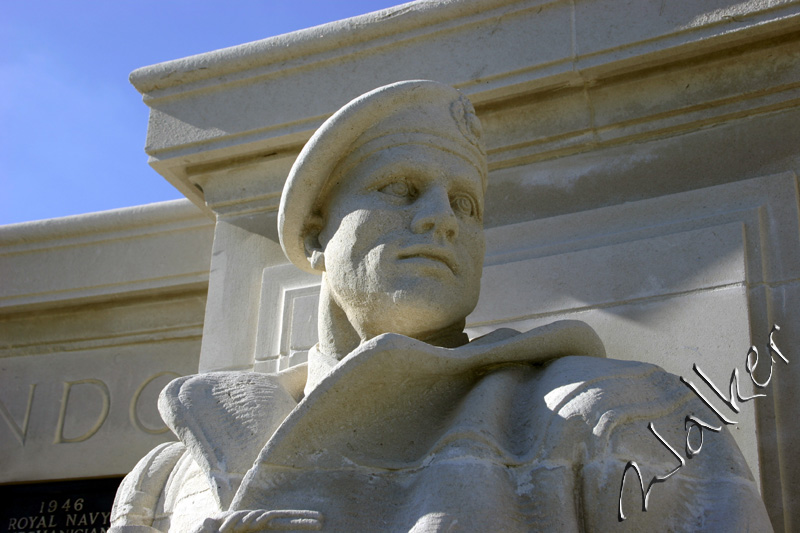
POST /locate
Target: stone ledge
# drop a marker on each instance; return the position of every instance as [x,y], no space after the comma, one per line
[100,225]
[101,256]
[342,37]
[253,106]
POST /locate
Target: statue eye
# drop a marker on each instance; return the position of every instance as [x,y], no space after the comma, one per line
[463,205]
[401,189]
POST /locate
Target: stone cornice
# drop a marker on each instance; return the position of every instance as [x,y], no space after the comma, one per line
[101,225]
[221,120]
[366,34]
[338,38]
[107,255]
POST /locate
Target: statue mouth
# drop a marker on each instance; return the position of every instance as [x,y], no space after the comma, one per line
[430,253]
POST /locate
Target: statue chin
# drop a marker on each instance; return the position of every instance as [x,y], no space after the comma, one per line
[413,313]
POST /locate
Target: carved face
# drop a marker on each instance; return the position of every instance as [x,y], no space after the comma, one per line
[403,241]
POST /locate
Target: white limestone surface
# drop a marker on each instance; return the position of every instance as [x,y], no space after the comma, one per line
[398,417]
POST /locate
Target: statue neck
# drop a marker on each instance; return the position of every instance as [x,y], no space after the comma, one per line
[338,336]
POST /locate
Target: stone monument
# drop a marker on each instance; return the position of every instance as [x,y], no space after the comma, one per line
[398,421]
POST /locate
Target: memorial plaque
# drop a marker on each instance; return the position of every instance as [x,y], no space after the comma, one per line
[82,506]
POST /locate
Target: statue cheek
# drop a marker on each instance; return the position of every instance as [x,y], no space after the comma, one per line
[474,243]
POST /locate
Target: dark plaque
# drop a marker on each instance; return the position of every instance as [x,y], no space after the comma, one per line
[82,506]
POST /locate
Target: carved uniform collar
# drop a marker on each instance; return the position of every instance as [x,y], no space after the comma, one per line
[225,418]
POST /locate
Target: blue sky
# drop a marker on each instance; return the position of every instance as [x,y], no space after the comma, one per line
[72,128]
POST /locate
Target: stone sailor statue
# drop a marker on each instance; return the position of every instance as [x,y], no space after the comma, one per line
[398,422]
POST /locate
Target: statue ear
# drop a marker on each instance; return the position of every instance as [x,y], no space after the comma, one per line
[314,249]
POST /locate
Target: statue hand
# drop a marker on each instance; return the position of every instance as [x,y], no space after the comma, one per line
[260,520]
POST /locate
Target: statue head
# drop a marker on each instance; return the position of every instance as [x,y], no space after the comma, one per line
[386,202]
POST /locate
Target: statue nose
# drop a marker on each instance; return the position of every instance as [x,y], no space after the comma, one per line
[433,213]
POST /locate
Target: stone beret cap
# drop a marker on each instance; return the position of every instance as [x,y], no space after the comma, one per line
[406,112]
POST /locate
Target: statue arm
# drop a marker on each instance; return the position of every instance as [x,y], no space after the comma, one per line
[137,497]
[606,415]
[709,488]
[706,499]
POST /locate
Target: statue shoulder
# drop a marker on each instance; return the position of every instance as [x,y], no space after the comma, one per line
[593,383]
[237,402]
[225,418]
[595,400]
